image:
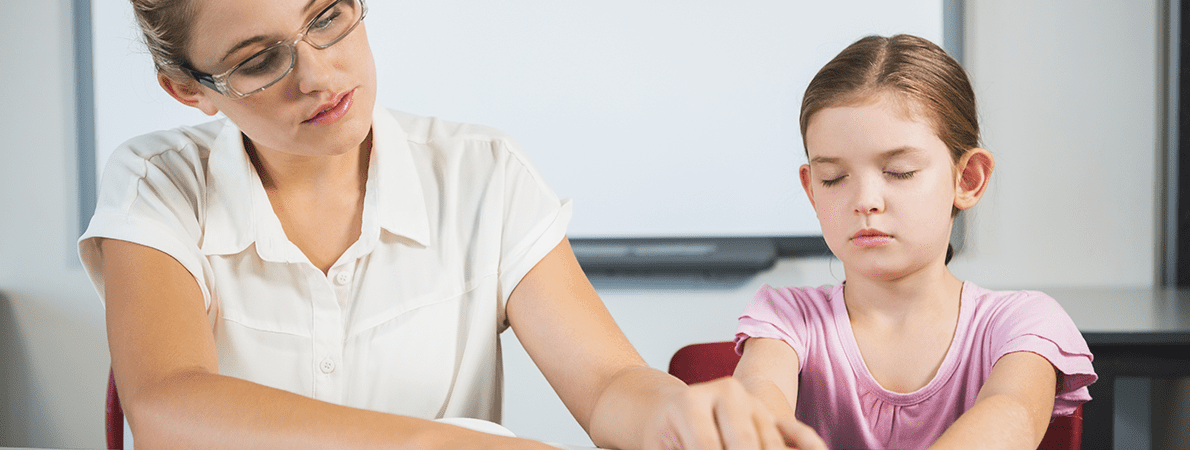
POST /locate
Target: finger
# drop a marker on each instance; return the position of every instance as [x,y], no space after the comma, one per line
[767,430]
[800,436]
[699,430]
[735,418]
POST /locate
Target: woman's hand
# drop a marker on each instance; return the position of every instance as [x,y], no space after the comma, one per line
[720,414]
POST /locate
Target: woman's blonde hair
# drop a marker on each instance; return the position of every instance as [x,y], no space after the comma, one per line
[166,25]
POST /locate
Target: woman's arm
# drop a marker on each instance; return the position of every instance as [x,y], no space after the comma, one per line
[163,355]
[614,395]
[1012,410]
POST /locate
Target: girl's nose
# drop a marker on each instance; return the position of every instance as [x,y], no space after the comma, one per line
[868,198]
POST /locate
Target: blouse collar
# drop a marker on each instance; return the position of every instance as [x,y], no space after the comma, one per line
[238,212]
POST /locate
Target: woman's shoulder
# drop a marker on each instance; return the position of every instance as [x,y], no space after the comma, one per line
[428,129]
[454,146]
[190,141]
[180,149]
[170,166]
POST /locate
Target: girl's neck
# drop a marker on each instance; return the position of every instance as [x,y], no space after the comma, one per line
[288,174]
[925,292]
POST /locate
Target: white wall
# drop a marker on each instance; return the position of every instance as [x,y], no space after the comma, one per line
[1069,101]
[55,352]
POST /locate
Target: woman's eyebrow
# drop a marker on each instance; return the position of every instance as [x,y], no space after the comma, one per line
[244,43]
[261,38]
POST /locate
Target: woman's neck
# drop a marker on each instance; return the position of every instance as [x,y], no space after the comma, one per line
[933,290]
[311,176]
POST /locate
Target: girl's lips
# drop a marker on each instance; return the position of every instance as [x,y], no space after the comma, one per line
[870,238]
[328,114]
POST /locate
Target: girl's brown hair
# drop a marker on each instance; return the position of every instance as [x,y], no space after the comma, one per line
[166,27]
[915,71]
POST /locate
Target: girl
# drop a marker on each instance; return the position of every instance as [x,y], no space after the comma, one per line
[317,272]
[903,354]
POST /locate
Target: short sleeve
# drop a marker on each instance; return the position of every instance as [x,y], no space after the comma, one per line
[149,195]
[1034,322]
[535,220]
[776,314]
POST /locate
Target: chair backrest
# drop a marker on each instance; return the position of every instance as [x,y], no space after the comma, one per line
[697,363]
[114,416]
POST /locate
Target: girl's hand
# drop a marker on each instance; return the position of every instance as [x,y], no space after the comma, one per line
[720,414]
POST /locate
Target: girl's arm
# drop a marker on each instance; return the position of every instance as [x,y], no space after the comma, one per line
[1012,410]
[764,371]
[612,393]
[163,355]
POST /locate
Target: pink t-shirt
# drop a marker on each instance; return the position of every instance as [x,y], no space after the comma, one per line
[838,397]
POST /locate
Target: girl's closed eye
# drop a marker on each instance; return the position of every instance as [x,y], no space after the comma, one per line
[900,175]
[833,181]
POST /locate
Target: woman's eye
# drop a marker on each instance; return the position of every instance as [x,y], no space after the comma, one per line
[326,22]
[261,64]
[901,175]
[833,181]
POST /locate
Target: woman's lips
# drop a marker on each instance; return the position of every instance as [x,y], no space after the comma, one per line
[331,113]
[870,238]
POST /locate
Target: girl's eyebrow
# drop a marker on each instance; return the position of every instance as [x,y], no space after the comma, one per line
[899,151]
[885,156]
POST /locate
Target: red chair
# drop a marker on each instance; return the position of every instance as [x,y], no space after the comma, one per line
[114,417]
[697,363]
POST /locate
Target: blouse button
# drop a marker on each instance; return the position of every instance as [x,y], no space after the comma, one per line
[343,278]
[327,366]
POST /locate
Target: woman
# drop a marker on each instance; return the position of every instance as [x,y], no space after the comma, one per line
[354,264]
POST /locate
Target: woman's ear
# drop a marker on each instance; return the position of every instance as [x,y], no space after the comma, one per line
[188,93]
[807,184]
[974,171]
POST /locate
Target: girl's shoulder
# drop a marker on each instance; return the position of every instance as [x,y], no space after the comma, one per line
[799,294]
[800,301]
[1009,315]
[1009,302]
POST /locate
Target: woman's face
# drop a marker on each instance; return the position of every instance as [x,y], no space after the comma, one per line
[322,107]
[883,186]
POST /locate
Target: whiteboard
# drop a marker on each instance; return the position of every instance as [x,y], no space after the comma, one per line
[659,118]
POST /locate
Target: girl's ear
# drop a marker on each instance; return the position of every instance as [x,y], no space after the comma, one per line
[974,172]
[188,93]
[807,184]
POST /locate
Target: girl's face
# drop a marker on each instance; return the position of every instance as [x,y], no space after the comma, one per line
[322,107]
[883,187]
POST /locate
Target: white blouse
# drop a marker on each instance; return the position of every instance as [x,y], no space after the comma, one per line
[407,320]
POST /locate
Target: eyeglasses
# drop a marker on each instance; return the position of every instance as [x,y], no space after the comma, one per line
[270,65]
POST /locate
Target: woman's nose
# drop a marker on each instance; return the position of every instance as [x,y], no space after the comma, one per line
[313,68]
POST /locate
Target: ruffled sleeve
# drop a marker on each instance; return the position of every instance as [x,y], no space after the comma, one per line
[776,314]
[1035,322]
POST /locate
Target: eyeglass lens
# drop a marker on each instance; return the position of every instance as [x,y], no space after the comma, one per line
[270,65]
